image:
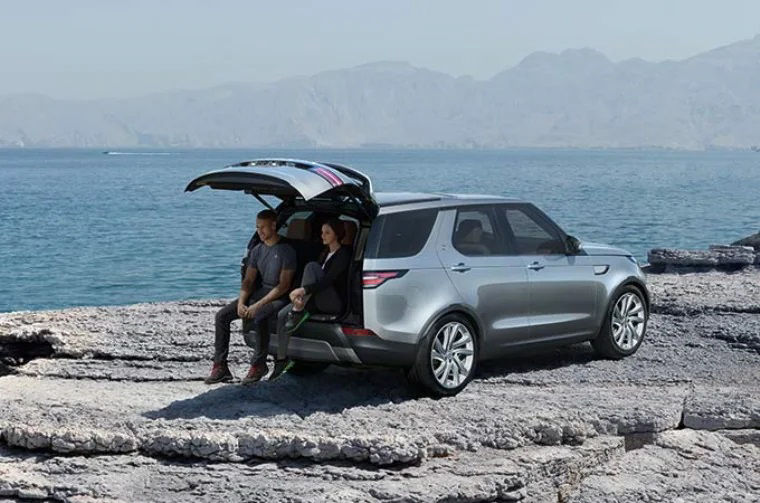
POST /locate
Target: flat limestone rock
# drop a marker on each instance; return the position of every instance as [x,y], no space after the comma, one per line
[682,465]
[235,423]
[719,408]
[529,473]
[116,370]
[718,256]
[749,436]
[708,292]
[107,403]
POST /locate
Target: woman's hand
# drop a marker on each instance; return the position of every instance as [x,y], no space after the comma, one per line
[298,293]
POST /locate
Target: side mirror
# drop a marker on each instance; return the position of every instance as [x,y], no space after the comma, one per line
[573,245]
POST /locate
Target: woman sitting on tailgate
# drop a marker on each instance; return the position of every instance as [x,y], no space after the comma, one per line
[323,289]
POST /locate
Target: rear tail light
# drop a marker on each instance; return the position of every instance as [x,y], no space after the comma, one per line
[357,331]
[373,279]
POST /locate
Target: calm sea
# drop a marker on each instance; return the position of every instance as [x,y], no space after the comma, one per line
[81,228]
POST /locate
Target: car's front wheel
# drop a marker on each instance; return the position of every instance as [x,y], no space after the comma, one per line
[447,357]
[625,324]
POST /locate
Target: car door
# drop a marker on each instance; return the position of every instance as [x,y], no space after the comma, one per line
[472,249]
[563,287]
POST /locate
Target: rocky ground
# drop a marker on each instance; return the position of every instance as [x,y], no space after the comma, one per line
[108,404]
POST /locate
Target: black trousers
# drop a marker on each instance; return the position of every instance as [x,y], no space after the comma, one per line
[324,301]
[258,339]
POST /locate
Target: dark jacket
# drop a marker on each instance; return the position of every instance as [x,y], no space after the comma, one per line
[336,273]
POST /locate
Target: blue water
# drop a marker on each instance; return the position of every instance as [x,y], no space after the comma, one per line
[81,228]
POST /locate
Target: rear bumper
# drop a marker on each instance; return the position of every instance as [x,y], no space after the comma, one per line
[372,350]
[326,342]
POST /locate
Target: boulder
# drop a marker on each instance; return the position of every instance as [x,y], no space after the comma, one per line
[733,255]
[716,257]
[753,241]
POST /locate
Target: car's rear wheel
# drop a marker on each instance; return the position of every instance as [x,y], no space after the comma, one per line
[303,368]
[624,326]
[447,357]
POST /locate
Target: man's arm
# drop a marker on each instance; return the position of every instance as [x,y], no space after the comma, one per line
[246,288]
[283,287]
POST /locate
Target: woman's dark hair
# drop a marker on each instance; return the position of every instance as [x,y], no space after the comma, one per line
[338,227]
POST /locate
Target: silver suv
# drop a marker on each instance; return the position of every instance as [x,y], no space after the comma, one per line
[441,282]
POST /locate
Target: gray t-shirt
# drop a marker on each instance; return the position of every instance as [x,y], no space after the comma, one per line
[269,261]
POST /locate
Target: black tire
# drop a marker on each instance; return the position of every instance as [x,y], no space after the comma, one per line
[421,377]
[604,343]
[302,368]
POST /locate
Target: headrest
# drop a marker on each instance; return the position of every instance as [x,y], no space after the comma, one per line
[299,228]
[465,230]
[350,226]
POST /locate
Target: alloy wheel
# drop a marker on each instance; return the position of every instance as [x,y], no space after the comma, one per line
[628,321]
[452,354]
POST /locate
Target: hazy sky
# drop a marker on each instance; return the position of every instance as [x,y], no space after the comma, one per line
[99,48]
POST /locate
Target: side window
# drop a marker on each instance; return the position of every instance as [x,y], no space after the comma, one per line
[401,234]
[532,236]
[475,233]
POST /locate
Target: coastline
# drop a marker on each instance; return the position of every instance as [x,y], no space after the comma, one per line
[188,245]
[125,383]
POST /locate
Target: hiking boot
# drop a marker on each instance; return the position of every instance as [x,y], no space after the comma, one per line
[255,373]
[280,367]
[220,372]
[295,319]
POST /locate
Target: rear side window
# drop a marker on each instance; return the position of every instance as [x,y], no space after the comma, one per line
[400,234]
[475,233]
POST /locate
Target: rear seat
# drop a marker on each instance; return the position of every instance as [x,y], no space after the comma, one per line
[351,228]
[299,237]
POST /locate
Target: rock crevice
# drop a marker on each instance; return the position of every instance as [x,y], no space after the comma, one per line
[16,351]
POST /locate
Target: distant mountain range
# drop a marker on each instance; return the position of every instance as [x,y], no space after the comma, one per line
[578,98]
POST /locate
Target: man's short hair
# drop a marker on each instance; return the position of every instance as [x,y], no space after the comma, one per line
[267,215]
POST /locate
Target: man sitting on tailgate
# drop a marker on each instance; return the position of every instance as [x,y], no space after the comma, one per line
[274,262]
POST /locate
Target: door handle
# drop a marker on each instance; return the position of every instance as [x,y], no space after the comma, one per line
[535,266]
[460,267]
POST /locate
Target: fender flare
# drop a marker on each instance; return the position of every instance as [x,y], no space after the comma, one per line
[629,281]
[453,309]
[641,285]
